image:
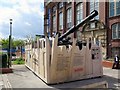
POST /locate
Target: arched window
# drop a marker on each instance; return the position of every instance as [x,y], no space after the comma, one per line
[60,5]
[116,31]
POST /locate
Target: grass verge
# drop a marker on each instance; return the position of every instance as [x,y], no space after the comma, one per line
[18,61]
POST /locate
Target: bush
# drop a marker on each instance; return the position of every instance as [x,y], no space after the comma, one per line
[19,61]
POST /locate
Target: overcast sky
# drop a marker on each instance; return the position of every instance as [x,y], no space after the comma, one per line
[27,17]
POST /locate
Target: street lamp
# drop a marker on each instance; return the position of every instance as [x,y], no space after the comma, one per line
[10,45]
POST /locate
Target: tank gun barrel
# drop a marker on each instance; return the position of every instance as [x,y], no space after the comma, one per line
[74,28]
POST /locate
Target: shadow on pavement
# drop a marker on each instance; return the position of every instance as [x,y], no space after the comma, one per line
[25,78]
[112,82]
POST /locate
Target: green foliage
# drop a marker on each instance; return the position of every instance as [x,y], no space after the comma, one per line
[1,53]
[18,43]
[18,61]
[5,43]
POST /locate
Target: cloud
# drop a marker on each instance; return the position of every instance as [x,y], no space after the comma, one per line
[27,23]
[8,2]
[27,17]
[7,13]
[35,1]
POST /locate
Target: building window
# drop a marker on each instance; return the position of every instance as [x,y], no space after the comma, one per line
[60,5]
[48,21]
[94,5]
[69,18]
[54,9]
[118,7]
[114,6]
[79,13]
[60,21]
[54,24]
[116,31]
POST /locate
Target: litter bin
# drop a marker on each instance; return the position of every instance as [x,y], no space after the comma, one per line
[3,61]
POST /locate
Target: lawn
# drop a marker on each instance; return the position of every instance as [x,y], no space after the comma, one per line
[18,61]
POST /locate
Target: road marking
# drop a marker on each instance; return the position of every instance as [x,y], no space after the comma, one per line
[6,82]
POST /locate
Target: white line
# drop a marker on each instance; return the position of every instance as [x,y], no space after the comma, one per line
[6,82]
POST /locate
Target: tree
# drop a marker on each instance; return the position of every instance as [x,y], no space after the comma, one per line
[18,43]
[4,43]
[15,43]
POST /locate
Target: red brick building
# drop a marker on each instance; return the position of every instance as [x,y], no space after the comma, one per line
[60,16]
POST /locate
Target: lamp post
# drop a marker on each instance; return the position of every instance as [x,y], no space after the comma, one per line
[10,45]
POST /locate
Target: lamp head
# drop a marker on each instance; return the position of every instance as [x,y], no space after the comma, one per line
[10,21]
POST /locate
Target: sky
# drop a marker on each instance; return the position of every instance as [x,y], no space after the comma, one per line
[27,15]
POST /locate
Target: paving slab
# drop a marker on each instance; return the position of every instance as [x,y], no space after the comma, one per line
[1,82]
[112,76]
[24,78]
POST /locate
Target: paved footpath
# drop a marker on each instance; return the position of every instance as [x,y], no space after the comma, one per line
[1,82]
[24,78]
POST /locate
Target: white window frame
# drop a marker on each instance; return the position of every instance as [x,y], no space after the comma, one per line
[54,23]
[116,31]
[115,8]
[94,5]
[60,20]
[79,12]
[54,9]
[61,5]
[69,17]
